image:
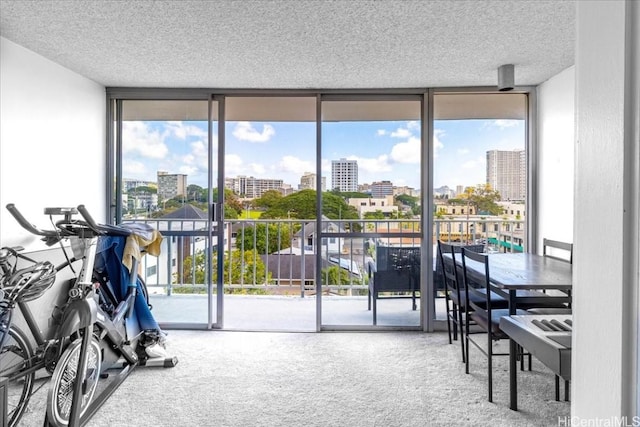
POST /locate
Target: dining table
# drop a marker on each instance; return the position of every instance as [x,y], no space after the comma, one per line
[513,272]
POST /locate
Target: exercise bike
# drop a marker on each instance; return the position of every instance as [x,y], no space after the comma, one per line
[107,312]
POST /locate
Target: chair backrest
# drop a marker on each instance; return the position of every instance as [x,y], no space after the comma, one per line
[475,270]
[397,258]
[447,264]
[556,249]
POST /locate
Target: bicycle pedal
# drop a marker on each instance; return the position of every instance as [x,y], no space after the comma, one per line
[104,375]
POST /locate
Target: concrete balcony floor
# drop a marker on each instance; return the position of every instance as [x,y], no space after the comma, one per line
[289,313]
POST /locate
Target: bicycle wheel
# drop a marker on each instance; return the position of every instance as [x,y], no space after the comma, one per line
[60,395]
[15,359]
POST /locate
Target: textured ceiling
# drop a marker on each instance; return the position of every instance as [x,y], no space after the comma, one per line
[304,44]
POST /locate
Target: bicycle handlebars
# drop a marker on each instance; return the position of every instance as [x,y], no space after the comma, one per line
[28,226]
[66,226]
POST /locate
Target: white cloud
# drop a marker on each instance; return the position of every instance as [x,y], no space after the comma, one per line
[475,163]
[325,166]
[401,133]
[188,159]
[139,138]
[373,164]
[132,168]
[188,170]
[200,154]
[413,125]
[406,152]
[295,165]
[245,131]
[504,123]
[437,143]
[182,131]
[233,165]
[257,169]
[463,151]
[381,132]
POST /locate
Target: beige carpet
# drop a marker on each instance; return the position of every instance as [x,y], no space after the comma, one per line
[324,379]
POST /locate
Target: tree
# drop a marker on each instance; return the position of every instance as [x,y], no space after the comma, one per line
[412,202]
[335,276]
[378,214]
[234,270]
[242,266]
[142,190]
[232,205]
[483,198]
[196,193]
[276,235]
[334,206]
[269,199]
[302,204]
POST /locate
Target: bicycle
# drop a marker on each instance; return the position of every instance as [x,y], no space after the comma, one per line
[20,361]
[106,335]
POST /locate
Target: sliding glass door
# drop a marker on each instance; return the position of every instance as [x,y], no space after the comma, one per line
[270,204]
[165,158]
[481,171]
[317,211]
[370,237]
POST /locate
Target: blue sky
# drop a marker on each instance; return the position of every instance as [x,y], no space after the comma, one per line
[384,150]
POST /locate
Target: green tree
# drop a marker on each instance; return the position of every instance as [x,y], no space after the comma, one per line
[277,235]
[412,202]
[196,193]
[142,190]
[194,268]
[242,266]
[378,214]
[232,205]
[335,276]
[482,197]
[269,199]
[334,206]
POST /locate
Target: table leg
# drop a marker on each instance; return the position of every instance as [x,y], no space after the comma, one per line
[513,380]
[513,350]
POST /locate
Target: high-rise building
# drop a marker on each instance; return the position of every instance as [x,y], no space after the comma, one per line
[381,189]
[507,173]
[252,188]
[344,175]
[409,191]
[171,185]
[130,184]
[308,182]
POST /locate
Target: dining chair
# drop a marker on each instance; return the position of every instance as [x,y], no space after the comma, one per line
[486,316]
[561,251]
[556,249]
[455,298]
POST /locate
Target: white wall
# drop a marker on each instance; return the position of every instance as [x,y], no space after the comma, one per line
[52,152]
[52,141]
[605,279]
[556,136]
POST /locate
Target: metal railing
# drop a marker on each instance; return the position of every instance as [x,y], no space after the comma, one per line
[278,256]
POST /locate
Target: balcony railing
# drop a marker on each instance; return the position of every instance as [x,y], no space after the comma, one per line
[278,256]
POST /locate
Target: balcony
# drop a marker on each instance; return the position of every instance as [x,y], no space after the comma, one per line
[269,270]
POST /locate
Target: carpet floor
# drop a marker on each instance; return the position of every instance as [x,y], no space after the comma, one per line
[386,379]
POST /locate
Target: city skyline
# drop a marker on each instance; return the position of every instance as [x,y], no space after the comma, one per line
[286,150]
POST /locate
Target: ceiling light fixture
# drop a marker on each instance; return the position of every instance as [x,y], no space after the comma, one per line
[505,77]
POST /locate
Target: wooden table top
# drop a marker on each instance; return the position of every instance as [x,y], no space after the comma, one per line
[525,271]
